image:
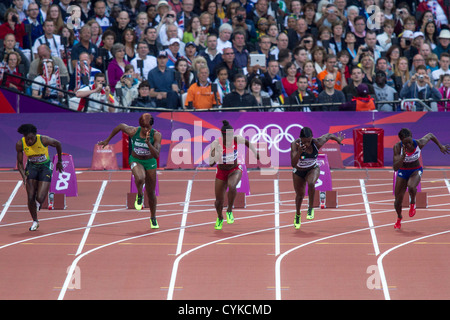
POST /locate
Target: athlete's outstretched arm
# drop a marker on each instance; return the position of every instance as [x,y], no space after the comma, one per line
[242,140]
[422,142]
[129,130]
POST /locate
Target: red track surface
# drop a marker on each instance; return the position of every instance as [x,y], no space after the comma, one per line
[261,256]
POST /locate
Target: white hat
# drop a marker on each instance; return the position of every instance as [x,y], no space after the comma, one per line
[408,34]
[162,3]
[445,34]
[418,34]
[173,40]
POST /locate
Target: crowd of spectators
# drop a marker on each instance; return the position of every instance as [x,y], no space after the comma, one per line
[276,55]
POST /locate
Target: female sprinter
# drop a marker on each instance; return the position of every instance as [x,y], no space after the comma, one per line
[38,172]
[145,146]
[406,162]
[224,152]
[304,152]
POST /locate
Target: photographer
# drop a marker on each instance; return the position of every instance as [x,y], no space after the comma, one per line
[12,25]
[99,92]
[421,87]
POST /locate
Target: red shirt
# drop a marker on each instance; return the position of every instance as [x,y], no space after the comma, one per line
[19,32]
[290,88]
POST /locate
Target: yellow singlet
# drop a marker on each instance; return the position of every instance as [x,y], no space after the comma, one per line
[37,153]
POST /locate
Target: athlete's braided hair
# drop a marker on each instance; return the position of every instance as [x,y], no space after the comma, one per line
[404,133]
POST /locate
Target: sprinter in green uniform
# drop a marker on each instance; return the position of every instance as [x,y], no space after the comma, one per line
[145,146]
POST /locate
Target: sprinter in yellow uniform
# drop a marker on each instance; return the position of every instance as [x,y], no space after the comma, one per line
[38,172]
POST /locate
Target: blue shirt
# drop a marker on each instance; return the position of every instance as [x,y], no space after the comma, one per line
[161,81]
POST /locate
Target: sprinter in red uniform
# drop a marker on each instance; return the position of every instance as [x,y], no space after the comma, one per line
[224,152]
[406,162]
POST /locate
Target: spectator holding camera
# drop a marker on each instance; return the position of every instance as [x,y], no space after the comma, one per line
[420,86]
[12,25]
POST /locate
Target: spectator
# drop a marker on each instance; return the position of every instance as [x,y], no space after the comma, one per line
[290,81]
[163,28]
[357,77]
[184,76]
[129,40]
[314,85]
[331,68]
[52,40]
[271,83]
[385,39]
[100,15]
[84,73]
[164,89]
[240,52]
[47,77]
[401,73]
[99,91]
[192,31]
[116,67]
[262,97]
[127,88]
[228,62]
[120,25]
[223,84]
[239,97]
[212,56]
[54,13]
[302,96]
[223,41]
[186,14]
[144,60]
[154,46]
[330,95]
[420,86]
[85,45]
[143,100]
[444,63]
[12,61]
[384,92]
[200,94]
[9,45]
[445,93]
[44,53]
[36,26]
[12,25]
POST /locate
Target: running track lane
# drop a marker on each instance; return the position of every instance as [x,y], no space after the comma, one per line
[331,257]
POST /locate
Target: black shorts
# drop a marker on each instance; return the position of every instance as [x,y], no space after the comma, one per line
[303,173]
[39,172]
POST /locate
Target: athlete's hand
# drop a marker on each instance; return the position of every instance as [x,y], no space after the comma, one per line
[445,148]
[103,143]
[59,167]
[340,137]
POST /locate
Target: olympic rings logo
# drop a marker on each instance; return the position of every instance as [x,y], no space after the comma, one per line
[271,141]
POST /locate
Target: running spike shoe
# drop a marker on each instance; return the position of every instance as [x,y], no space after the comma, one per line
[230,217]
[310,214]
[398,224]
[34,226]
[297,221]
[153,223]
[412,209]
[219,224]
[139,203]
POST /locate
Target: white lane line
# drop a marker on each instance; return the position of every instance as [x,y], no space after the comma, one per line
[183,220]
[91,219]
[277,216]
[11,197]
[380,261]
[446,183]
[369,217]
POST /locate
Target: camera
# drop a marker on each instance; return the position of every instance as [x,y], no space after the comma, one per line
[240,18]
[420,77]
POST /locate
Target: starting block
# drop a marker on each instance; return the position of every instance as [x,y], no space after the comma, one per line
[242,189]
[131,196]
[59,201]
[421,200]
[239,201]
[325,199]
[421,197]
